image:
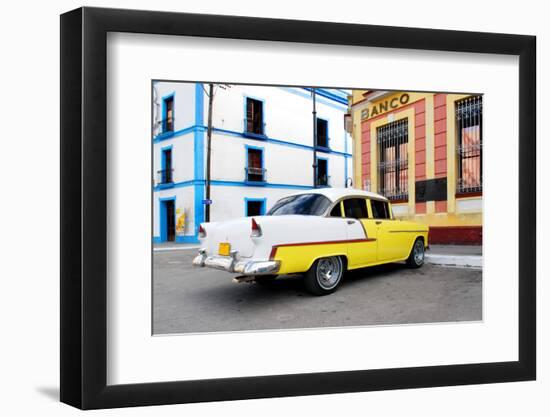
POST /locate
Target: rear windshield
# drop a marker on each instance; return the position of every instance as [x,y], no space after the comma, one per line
[307,204]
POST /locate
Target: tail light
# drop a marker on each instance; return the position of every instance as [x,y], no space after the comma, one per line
[202,232]
[256,229]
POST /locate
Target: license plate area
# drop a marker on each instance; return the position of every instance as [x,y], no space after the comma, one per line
[224,249]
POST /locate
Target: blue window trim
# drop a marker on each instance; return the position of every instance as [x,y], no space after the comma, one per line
[261,200]
[164,133]
[328,176]
[262,150]
[163,216]
[163,151]
[263,135]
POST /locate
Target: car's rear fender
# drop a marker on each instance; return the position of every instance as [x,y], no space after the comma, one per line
[298,241]
[299,259]
[295,240]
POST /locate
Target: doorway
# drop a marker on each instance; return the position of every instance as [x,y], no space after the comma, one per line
[168,220]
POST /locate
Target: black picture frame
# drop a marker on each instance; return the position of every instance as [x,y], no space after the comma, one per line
[84,207]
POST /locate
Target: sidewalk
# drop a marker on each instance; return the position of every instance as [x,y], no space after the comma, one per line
[456,249]
[464,256]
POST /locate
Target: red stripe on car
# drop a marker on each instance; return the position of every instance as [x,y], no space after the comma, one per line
[328,242]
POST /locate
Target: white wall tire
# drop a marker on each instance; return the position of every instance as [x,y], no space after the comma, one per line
[325,275]
[416,257]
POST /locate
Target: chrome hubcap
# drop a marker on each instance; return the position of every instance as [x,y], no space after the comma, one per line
[329,271]
[418,252]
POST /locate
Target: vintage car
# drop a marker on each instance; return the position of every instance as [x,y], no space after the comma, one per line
[320,233]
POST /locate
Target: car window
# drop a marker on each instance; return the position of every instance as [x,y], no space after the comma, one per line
[380,209]
[306,204]
[336,211]
[356,208]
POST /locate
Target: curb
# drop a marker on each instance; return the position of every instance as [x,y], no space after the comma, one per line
[462,261]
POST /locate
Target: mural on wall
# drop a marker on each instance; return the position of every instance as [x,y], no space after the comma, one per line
[180,222]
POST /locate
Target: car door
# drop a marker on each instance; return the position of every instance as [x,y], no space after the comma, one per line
[361,237]
[381,218]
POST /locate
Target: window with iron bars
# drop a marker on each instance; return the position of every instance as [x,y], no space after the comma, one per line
[254,171]
[393,166]
[469,114]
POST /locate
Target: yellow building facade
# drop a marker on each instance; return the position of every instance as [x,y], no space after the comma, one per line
[424,152]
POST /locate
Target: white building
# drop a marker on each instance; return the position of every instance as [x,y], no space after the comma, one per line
[262,149]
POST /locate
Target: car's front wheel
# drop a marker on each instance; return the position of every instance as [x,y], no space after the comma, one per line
[325,275]
[416,257]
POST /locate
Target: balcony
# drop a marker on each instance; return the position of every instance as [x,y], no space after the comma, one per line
[165,178]
[255,175]
[164,127]
[323,180]
[322,143]
[254,131]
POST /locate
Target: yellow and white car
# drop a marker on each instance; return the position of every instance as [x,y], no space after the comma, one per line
[320,233]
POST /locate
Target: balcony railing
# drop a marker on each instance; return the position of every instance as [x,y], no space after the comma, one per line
[164,176]
[164,126]
[323,142]
[323,180]
[253,174]
[249,129]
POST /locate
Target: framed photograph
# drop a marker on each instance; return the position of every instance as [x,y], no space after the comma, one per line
[259,208]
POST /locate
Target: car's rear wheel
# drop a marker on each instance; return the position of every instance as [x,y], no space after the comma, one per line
[416,257]
[325,275]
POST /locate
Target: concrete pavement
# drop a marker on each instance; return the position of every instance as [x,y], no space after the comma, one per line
[195,300]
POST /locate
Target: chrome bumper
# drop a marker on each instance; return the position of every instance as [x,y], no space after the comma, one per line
[231,264]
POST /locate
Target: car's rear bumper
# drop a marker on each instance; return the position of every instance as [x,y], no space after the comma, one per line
[231,264]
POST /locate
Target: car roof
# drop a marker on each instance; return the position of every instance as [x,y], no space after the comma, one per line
[334,194]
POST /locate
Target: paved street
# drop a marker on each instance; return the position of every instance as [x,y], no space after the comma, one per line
[191,300]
